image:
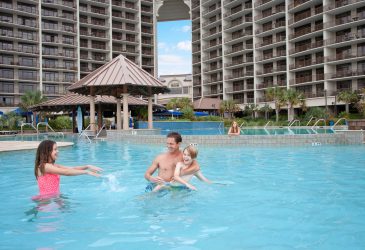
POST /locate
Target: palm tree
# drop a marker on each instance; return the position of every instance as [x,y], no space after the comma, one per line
[360,105]
[266,109]
[347,97]
[29,99]
[180,103]
[293,98]
[172,104]
[251,110]
[228,106]
[276,94]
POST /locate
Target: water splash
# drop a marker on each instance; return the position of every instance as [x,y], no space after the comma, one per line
[111,183]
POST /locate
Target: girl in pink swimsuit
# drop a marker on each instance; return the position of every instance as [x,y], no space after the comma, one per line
[47,172]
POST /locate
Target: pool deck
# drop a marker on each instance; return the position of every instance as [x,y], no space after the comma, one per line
[6,146]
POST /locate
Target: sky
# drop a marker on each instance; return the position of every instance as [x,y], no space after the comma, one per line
[174,47]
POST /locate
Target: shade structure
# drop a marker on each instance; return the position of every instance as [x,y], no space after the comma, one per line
[119,76]
[70,101]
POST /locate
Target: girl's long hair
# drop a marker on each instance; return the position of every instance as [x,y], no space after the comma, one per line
[43,156]
[234,129]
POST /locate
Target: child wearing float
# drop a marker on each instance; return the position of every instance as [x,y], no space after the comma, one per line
[189,158]
[47,172]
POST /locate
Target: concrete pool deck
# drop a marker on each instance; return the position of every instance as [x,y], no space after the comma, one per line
[6,146]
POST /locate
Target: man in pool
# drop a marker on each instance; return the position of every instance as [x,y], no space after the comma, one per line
[166,162]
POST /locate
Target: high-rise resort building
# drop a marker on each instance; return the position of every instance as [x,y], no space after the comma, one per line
[239,48]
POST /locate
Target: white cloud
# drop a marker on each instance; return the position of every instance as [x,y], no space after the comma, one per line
[184,45]
[173,64]
[186,28]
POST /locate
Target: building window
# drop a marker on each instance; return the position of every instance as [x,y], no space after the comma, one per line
[27,61]
[6,87]
[26,87]
[27,74]
[50,89]
[7,73]
[6,101]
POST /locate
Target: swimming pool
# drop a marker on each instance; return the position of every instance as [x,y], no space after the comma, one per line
[251,131]
[274,198]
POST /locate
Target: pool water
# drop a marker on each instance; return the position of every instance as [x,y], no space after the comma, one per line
[251,131]
[269,198]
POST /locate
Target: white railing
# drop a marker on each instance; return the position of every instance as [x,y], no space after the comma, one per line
[310,120]
[26,124]
[293,122]
[338,121]
[315,125]
[48,126]
[267,124]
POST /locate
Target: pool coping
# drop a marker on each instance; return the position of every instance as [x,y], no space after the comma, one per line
[7,146]
[145,136]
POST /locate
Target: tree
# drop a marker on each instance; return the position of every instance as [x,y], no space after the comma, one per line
[266,109]
[180,103]
[293,98]
[29,99]
[347,97]
[228,106]
[251,110]
[360,105]
[276,94]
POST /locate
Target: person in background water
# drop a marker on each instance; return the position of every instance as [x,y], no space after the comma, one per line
[166,163]
[47,172]
[189,161]
[234,129]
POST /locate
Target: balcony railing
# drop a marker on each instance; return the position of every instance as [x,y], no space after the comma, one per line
[345,56]
[307,46]
[347,73]
[345,38]
[339,4]
[306,63]
[297,3]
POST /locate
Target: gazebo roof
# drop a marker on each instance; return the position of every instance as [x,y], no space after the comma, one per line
[68,101]
[205,103]
[119,76]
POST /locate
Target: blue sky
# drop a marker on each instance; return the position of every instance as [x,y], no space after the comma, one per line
[174,47]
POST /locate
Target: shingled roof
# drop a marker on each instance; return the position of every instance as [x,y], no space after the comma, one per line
[205,103]
[68,101]
[110,79]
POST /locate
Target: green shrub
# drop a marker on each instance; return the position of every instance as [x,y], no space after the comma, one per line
[61,122]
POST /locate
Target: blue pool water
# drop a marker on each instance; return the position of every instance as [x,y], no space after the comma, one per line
[273,198]
[249,131]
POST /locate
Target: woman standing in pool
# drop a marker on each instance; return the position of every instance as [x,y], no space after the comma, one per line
[47,172]
[234,129]
[189,161]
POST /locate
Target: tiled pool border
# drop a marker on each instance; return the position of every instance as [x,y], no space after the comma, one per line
[150,136]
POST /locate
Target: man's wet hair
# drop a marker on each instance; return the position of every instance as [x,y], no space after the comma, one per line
[176,136]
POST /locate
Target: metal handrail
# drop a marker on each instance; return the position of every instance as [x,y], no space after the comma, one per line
[310,120]
[24,124]
[47,125]
[315,124]
[84,134]
[293,122]
[220,129]
[267,124]
[338,122]
[97,134]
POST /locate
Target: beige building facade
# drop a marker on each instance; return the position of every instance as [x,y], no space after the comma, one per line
[239,48]
[242,48]
[180,86]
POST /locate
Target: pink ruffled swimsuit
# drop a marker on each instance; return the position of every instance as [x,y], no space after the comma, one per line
[49,184]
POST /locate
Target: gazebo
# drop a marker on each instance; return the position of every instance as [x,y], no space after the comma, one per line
[119,78]
[71,101]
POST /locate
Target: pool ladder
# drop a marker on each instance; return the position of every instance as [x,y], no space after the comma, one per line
[48,126]
[315,125]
